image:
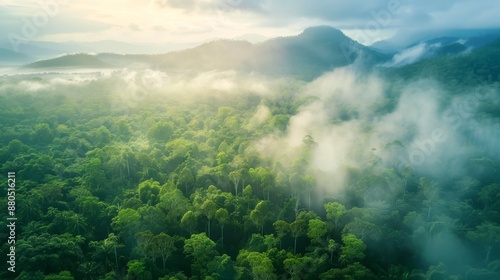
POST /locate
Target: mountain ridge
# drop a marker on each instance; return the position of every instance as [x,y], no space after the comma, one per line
[306,55]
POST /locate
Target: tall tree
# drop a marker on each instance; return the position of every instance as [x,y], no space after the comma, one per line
[298,228]
[487,234]
[208,209]
[222,217]
[189,221]
[162,245]
[316,230]
[282,228]
[334,212]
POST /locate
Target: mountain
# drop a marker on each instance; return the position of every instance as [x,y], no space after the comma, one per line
[70,61]
[316,50]
[307,55]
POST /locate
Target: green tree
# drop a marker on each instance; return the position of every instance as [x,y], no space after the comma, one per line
[50,253]
[298,228]
[260,215]
[202,250]
[332,247]
[259,265]
[316,230]
[94,175]
[161,246]
[352,249]
[186,179]
[160,132]
[148,191]
[126,223]
[137,270]
[208,209]
[299,267]
[222,217]
[189,221]
[488,234]
[334,212]
[282,228]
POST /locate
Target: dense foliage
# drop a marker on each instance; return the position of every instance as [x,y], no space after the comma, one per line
[115,182]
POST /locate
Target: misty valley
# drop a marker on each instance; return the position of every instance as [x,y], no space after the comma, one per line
[300,157]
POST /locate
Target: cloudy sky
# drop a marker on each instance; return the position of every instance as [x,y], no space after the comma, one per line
[183,21]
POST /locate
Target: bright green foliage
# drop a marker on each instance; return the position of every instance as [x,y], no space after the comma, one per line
[148,191]
[316,230]
[259,265]
[202,250]
[334,212]
[188,221]
[352,249]
[260,215]
[137,270]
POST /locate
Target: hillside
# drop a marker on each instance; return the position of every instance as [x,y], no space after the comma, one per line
[70,61]
[481,64]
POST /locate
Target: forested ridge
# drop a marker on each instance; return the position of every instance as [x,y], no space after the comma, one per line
[117,179]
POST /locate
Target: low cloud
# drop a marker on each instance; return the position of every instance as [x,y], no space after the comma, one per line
[429,131]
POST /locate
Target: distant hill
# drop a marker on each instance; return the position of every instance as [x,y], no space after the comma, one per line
[306,56]
[74,60]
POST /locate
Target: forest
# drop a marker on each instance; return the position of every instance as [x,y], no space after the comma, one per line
[146,174]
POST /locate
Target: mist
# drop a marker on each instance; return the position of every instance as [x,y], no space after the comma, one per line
[430,132]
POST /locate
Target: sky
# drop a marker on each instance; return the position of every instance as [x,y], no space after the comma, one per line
[187,21]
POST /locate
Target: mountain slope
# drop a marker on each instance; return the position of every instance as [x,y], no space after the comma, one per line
[405,39]
[481,64]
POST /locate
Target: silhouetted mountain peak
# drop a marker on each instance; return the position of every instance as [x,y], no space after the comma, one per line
[323,33]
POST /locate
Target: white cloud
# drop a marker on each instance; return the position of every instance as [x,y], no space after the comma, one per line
[196,21]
